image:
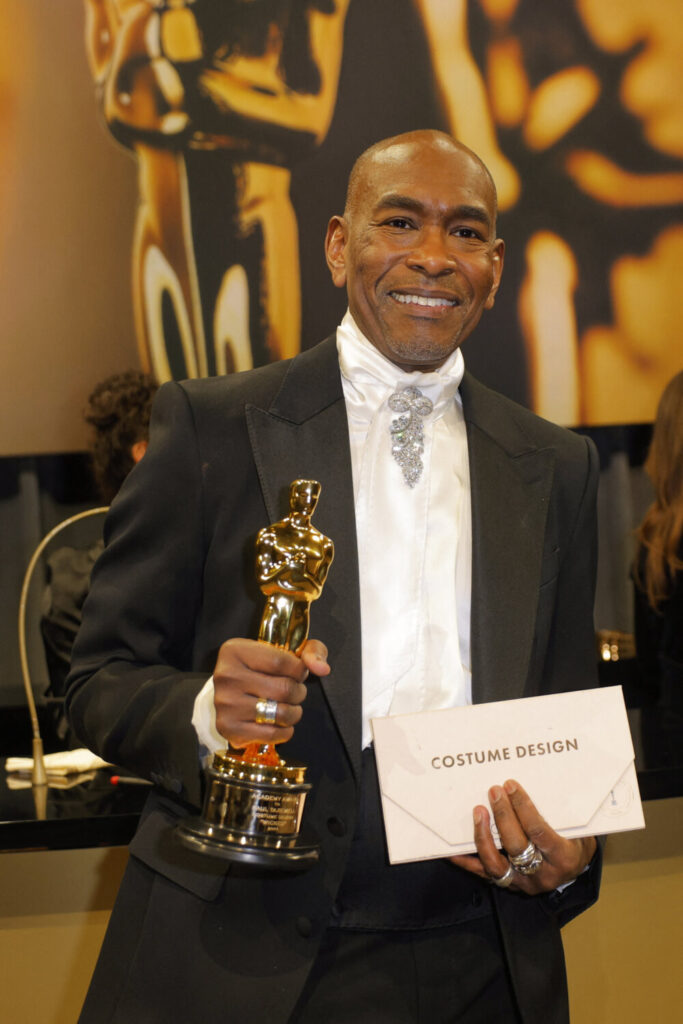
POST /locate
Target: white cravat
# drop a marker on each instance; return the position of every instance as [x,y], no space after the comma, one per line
[414,544]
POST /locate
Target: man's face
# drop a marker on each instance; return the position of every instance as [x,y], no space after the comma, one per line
[417,251]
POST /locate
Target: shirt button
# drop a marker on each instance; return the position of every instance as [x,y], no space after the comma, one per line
[336,827]
[304,926]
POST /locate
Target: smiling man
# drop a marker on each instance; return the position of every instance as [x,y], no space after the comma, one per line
[464,532]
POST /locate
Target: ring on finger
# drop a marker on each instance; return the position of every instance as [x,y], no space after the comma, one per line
[266,712]
[533,865]
[521,860]
[504,880]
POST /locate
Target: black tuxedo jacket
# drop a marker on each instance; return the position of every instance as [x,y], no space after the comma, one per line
[189,938]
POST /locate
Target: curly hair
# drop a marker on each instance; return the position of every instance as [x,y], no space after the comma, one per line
[661,532]
[118,410]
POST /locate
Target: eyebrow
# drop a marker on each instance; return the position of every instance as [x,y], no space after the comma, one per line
[464,211]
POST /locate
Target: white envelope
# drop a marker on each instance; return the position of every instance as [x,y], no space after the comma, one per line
[572,752]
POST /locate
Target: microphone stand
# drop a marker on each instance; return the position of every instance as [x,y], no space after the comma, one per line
[38,772]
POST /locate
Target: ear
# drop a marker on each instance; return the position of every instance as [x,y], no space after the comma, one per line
[138,450]
[335,250]
[497,260]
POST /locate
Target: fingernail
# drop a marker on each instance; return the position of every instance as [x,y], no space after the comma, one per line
[510,787]
[495,793]
[478,816]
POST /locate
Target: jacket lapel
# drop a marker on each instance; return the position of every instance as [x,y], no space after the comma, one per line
[511,480]
[304,435]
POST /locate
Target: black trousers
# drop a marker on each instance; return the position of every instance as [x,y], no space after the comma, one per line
[433,976]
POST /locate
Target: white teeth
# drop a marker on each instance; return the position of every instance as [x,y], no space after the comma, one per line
[423,300]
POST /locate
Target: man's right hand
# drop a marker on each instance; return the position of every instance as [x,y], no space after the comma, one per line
[249,670]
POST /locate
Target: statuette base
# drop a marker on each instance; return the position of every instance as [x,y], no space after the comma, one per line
[252,814]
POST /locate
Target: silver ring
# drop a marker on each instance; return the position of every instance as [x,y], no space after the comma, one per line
[266,712]
[534,864]
[521,860]
[504,880]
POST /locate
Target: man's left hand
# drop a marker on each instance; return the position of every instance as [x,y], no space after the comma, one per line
[519,823]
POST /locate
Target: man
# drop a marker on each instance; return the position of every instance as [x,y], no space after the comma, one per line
[464,569]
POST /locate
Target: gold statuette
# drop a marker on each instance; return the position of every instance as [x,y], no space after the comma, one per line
[254,799]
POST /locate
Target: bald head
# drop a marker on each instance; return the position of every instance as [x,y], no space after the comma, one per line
[402,149]
[416,247]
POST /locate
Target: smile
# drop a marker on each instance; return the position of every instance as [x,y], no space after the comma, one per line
[423,300]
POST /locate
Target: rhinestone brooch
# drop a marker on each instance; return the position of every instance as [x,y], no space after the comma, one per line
[407,432]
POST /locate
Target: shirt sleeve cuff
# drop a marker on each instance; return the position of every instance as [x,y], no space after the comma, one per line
[204,722]
[565,885]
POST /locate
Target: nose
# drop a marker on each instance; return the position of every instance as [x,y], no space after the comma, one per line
[431,253]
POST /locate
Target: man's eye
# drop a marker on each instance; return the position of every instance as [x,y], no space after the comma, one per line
[466,233]
[399,222]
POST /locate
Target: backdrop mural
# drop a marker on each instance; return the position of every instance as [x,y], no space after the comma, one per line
[573,106]
[239,120]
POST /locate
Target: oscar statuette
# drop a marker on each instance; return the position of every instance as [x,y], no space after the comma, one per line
[254,799]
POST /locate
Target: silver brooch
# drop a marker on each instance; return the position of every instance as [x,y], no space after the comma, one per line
[407,432]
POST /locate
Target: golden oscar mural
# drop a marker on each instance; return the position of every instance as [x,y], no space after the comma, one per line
[219,97]
[239,114]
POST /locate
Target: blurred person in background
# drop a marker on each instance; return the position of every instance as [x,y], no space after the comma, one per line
[658,575]
[118,412]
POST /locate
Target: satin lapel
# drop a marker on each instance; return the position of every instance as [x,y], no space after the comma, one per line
[511,480]
[304,435]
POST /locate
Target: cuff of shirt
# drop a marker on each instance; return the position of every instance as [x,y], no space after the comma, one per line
[204,722]
[565,885]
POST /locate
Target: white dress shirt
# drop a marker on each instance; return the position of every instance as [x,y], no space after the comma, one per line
[414,543]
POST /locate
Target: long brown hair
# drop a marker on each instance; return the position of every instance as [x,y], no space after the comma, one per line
[661,530]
